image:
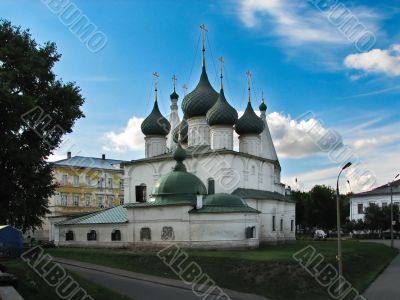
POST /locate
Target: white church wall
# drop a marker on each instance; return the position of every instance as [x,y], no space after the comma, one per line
[229,171]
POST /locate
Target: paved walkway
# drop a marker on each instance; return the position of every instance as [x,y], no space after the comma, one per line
[140,286]
[387,285]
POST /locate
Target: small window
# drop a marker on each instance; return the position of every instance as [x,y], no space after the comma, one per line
[88,180]
[121,184]
[211,186]
[273,223]
[110,182]
[76,200]
[167,233]
[100,201]
[250,232]
[64,199]
[291,225]
[145,234]
[116,235]
[76,180]
[88,200]
[141,193]
[360,208]
[100,182]
[121,200]
[281,225]
[110,201]
[65,179]
[69,235]
[92,236]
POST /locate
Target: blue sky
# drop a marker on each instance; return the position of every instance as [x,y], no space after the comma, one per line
[304,60]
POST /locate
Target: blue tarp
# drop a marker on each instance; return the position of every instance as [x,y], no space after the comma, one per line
[11,241]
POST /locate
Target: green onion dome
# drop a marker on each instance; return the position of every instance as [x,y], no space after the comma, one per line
[224,199]
[222,113]
[155,123]
[249,123]
[174,95]
[201,99]
[183,127]
[178,185]
[263,106]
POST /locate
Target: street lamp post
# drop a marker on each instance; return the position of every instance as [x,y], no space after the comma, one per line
[391,211]
[339,235]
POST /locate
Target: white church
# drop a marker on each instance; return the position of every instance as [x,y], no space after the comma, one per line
[192,188]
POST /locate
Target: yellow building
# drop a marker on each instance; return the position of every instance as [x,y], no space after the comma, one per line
[85,184]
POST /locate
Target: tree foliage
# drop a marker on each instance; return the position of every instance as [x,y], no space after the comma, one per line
[36,110]
[317,208]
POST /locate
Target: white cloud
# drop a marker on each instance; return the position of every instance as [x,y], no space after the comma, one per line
[295,138]
[130,138]
[379,61]
[299,22]
[373,142]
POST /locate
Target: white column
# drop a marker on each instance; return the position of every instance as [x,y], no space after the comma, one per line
[199,132]
[221,137]
[250,144]
[155,145]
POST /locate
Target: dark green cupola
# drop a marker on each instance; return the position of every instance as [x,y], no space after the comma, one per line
[222,113]
[155,123]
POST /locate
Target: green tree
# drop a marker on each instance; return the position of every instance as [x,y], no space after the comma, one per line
[36,110]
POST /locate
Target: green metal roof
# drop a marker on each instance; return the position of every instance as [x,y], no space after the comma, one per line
[260,195]
[174,95]
[201,99]
[155,123]
[222,113]
[249,123]
[263,106]
[183,127]
[224,199]
[223,209]
[172,202]
[113,215]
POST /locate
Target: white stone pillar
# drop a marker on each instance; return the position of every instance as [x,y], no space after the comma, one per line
[250,144]
[221,137]
[155,145]
[199,132]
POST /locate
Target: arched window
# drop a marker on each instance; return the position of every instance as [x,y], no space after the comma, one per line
[69,235]
[250,232]
[92,236]
[145,234]
[211,186]
[141,193]
[253,170]
[167,233]
[116,235]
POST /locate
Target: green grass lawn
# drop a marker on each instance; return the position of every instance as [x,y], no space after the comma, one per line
[33,287]
[270,271]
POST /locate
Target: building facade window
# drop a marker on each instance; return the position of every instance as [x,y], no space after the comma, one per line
[253,170]
[384,204]
[250,232]
[69,236]
[273,223]
[64,199]
[88,180]
[121,184]
[110,201]
[100,201]
[121,200]
[211,186]
[64,179]
[100,182]
[88,200]
[145,234]
[360,208]
[110,182]
[76,200]
[141,193]
[281,225]
[116,235]
[76,180]
[92,235]
[167,233]
[291,225]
